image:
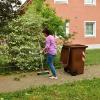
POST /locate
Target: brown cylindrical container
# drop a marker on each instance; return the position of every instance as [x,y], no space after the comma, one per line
[73,57]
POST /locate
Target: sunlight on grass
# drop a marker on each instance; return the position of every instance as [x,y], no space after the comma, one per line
[80,90]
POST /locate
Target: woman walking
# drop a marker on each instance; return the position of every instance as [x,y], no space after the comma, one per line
[50,50]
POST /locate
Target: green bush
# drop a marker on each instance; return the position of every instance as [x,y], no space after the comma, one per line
[24,32]
[4,57]
[53,22]
[23,41]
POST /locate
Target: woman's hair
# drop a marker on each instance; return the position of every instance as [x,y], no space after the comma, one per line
[47,31]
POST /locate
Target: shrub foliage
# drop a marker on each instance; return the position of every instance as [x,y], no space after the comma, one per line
[25,33]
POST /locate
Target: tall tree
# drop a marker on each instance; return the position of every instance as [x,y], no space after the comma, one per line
[8,10]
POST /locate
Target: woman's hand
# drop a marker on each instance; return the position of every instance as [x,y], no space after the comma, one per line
[44,50]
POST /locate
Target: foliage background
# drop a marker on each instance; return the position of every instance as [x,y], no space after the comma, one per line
[23,33]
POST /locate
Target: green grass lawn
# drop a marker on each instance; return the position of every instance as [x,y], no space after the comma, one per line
[80,90]
[92,57]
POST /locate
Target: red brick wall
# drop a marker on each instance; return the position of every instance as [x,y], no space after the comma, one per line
[77,12]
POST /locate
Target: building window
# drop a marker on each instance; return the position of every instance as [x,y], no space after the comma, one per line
[61,1]
[90,28]
[90,2]
[67,28]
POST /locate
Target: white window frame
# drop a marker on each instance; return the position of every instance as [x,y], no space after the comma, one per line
[67,28]
[61,1]
[94,29]
[94,3]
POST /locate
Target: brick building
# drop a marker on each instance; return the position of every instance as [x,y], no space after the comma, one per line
[84,19]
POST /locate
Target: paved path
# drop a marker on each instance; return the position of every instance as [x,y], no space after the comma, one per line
[27,80]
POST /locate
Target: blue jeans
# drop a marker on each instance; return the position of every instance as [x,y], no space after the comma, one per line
[50,59]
